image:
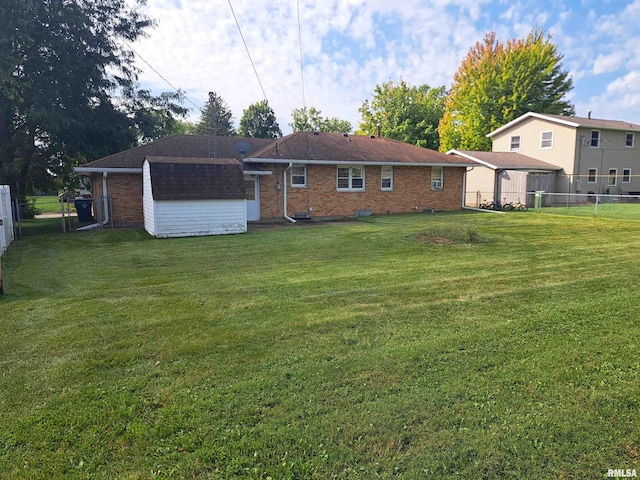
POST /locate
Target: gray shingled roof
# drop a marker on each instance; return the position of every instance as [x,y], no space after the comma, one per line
[309,147]
[505,160]
[183,178]
[597,122]
[570,121]
[193,146]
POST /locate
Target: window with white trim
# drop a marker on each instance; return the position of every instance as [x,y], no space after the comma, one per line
[299,176]
[350,179]
[626,175]
[386,178]
[630,140]
[592,175]
[514,143]
[437,178]
[613,177]
[546,140]
[595,139]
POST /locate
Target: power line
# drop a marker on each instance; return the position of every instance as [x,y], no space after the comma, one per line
[304,101]
[160,75]
[247,49]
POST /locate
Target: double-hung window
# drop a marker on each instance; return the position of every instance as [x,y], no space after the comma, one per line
[613,177]
[350,179]
[592,175]
[514,143]
[626,175]
[386,179]
[595,139]
[546,140]
[629,140]
[299,176]
[437,178]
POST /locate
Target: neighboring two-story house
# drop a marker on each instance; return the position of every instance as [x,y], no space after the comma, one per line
[589,156]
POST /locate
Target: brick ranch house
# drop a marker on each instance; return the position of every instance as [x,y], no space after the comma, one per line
[302,175]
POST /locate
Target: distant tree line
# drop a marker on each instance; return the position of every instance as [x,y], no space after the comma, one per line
[69,94]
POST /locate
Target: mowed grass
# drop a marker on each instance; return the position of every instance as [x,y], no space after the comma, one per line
[50,204]
[357,350]
[619,211]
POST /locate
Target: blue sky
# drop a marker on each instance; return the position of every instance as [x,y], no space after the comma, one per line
[350,46]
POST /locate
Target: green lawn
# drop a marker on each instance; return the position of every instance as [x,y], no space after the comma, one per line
[381,348]
[619,211]
[49,204]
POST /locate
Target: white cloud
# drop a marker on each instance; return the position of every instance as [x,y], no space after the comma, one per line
[348,49]
[608,63]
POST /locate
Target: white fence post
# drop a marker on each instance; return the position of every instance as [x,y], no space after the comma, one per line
[6,219]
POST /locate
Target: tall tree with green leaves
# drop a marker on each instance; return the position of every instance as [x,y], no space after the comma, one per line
[259,121]
[404,112]
[311,120]
[215,118]
[497,82]
[68,86]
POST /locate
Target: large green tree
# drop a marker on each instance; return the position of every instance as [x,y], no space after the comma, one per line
[68,86]
[259,121]
[215,118]
[497,83]
[311,120]
[404,112]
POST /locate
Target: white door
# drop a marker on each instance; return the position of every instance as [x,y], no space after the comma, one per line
[253,198]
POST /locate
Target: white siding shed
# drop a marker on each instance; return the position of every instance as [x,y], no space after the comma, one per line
[185,197]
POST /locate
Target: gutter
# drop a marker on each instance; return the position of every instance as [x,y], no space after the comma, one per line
[285,194]
[106,170]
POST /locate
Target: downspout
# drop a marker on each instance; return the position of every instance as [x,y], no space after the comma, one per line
[284,173]
[105,206]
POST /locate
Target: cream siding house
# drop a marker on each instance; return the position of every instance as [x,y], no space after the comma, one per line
[588,156]
[595,155]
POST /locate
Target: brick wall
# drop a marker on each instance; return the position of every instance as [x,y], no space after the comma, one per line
[411,192]
[125,190]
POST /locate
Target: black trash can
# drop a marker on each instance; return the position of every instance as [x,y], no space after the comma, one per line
[83,207]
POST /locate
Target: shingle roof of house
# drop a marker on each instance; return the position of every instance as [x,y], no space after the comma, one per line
[504,160]
[194,146]
[184,178]
[569,121]
[336,148]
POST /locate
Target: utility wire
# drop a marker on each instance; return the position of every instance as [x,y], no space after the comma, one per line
[160,75]
[304,101]
[247,49]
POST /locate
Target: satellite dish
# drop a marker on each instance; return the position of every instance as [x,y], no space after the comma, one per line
[243,148]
